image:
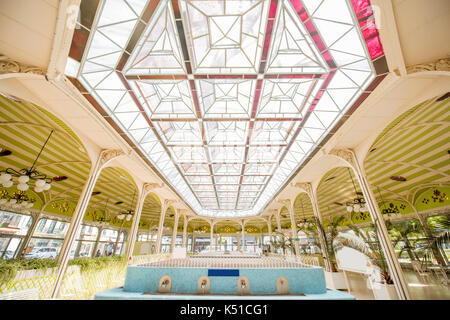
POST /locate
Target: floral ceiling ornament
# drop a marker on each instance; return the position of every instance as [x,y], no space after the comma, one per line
[393,209]
[18,199]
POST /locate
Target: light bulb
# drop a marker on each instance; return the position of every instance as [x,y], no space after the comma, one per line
[40,183]
[37,189]
[349,208]
[23,179]
[4,177]
[46,186]
[129,217]
[30,204]
[3,201]
[121,216]
[16,205]
[8,184]
[23,186]
[356,207]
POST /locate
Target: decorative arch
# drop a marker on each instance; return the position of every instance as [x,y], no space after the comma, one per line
[410,156]
[24,128]
[338,187]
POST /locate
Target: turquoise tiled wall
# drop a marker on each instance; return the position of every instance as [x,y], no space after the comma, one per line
[262,281]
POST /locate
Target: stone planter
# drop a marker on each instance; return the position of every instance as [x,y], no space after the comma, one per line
[335,280]
[382,291]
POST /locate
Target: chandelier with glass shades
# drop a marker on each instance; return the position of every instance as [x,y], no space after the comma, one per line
[358,204]
[24,176]
[305,224]
[127,214]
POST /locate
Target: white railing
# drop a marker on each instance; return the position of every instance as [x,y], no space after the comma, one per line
[228,262]
[149,258]
[309,260]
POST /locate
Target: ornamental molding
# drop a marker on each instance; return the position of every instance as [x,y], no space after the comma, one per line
[343,154]
[438,65]
[183,211]
[306,186]
[148,187]
[108,155]
[10,66]
[169,202]
[286,202]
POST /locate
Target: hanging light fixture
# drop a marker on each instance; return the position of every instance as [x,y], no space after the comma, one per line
[128,214]
[304,223]
[43,183]
[358,204]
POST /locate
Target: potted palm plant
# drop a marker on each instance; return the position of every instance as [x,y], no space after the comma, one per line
[367,242]
[284,242]
[334,278]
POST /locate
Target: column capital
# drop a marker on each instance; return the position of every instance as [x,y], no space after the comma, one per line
[183,211]
[109,154]
[307,186]
[169,202]
[344,154]
[149,186]
[286,202]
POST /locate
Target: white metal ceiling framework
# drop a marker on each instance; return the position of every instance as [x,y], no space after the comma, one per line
[228,98]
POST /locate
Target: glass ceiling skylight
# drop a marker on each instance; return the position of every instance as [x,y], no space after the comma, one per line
[226,98]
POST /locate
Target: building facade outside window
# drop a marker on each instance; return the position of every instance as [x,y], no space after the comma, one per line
[13,229]
[47,240]
[85,243]
[107,243]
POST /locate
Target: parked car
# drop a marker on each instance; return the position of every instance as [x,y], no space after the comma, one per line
[8,254]
[41,253]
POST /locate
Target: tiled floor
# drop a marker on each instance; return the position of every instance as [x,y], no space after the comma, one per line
[419,290]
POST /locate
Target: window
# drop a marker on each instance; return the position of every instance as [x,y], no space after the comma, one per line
[13,228]
[85,243]
[109,244]
[271,67]
[165,243]
[47,240]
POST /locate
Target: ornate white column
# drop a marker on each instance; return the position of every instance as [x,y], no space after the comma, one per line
[146,189]
[175,230]
[396,272]
[277,217]
[243,235]
[307,187]
[211,235]
[165,204]
[103,159]
[185,224]
[269,229]
[289,204]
